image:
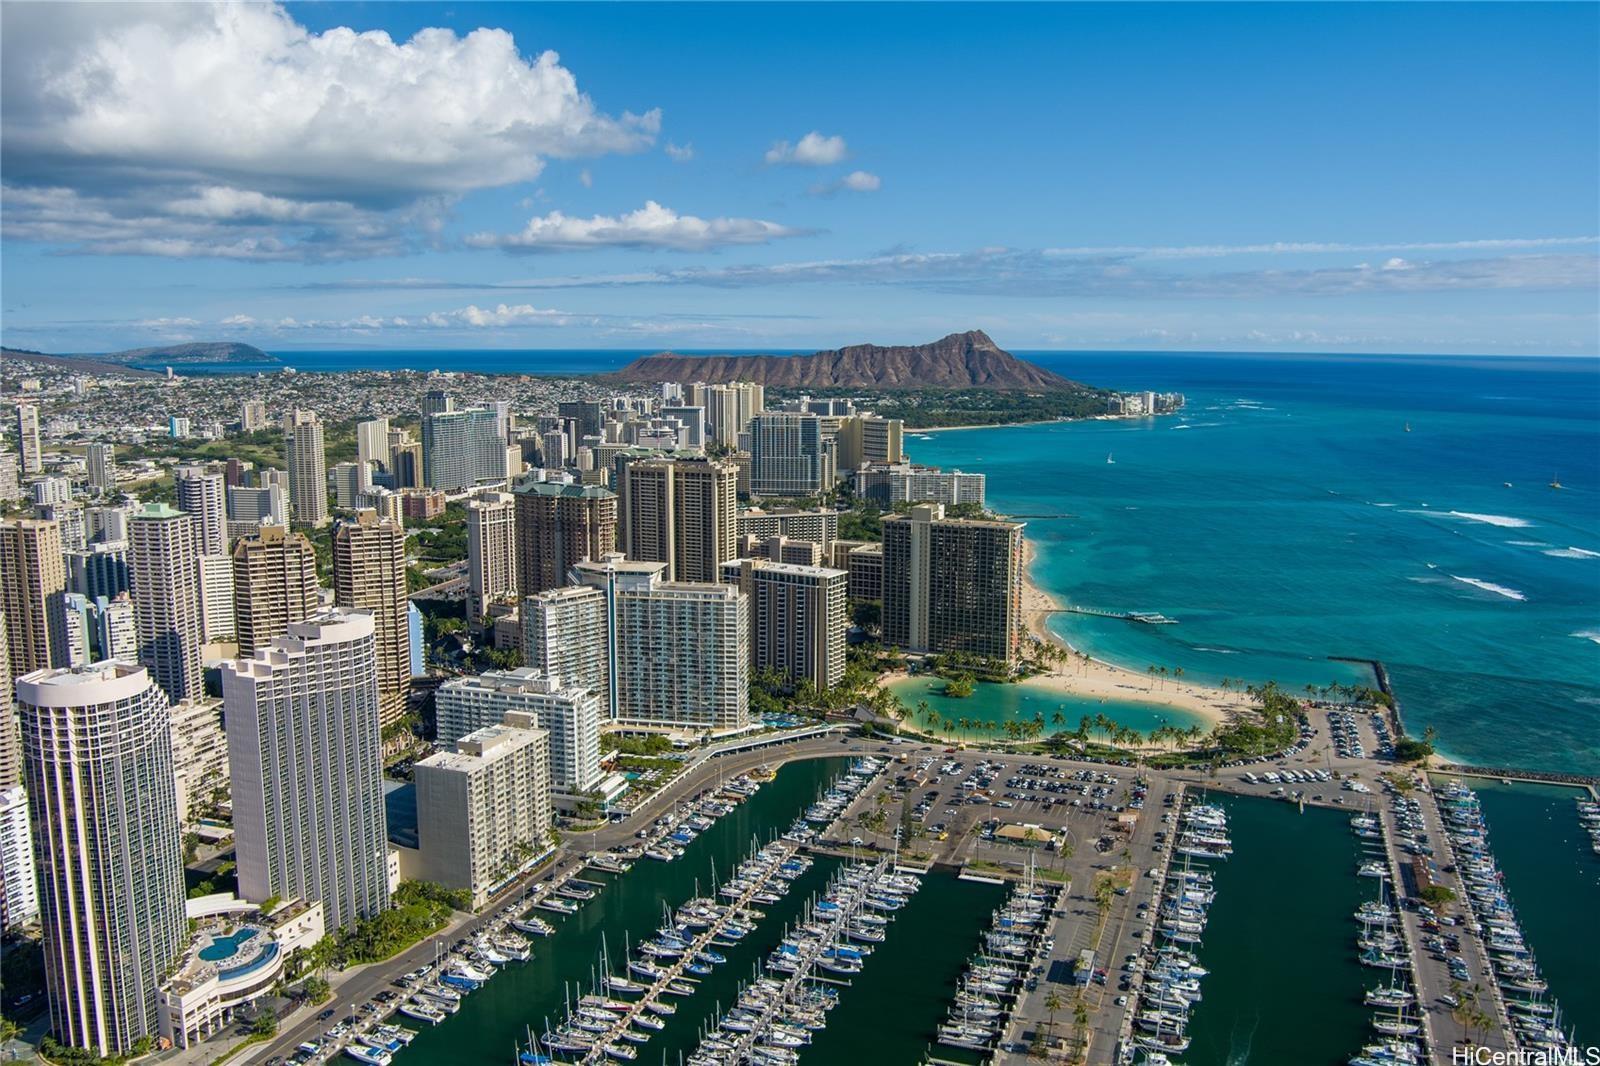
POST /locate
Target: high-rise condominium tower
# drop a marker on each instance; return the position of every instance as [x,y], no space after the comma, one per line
[108,848]
[369,572]
[952,585]
[491,551]
[274,584]
[559,526]
[308,472]
[164,571]
[682,512]
[461,449]
[102,467]
[798,618]
[28,449]
[789,455]
[305,758]
[372,442]
[203,493]
[569,713]
[33,583]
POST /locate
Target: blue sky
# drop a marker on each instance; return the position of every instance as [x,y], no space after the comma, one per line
[1358,177]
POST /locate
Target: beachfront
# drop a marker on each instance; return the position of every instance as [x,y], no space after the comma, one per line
[1086,676]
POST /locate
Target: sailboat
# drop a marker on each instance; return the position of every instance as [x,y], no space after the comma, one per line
[1555,481]
[1110,461]
[1408,427]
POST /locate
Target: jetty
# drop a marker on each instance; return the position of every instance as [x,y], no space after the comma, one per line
[1149,618]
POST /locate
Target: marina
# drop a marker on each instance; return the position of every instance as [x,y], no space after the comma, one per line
[1298,866]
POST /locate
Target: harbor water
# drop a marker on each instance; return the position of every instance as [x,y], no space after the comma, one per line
[1553,877]
[494,1019]
[1284,986]
[891,1012]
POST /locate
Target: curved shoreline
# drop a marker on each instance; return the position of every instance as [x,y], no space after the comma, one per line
[1084,675]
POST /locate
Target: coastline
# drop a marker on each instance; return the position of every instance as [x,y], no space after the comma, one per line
[1088,676]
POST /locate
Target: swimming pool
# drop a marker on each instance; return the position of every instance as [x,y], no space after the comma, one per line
[226,947]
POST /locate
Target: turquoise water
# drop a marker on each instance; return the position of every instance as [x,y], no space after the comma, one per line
[1285,986]
[225,947]
[1287,516]
[1003,703]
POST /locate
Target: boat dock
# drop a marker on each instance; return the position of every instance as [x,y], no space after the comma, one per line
[1443,1028]
[674,971]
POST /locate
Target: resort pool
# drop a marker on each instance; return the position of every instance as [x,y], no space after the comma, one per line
[226,947]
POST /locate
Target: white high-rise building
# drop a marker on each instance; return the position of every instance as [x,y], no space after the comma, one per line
[566,634]
[372,442]
[108,848]
[569,713]
[308,475]
[305,761]
[164,575]
[798,618]
[203,493]
[216,598]
[351,481]
[678,652]
[491,551]
[461,449]
[19,886]
[483,810]
[251,508]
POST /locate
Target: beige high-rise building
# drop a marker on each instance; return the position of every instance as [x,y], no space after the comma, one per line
[559,526]
[798,618]
[28,449]
[491,552]
[274,584]
[369,572]
[308,472]
[164,575]
[10,741]
[33,586]
[102,465]
[866,438]
[952,585]
[483,810]
[104,811]
[682,512]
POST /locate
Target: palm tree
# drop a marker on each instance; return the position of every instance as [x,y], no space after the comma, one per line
[1058,719]
[1052,1003]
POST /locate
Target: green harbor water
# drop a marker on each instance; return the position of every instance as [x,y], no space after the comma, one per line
[1001,703]
[1554,880]
[891,1012]
[493,1020]
[1285,986]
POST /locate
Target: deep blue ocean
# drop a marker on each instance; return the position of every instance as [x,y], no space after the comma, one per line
[1287,516]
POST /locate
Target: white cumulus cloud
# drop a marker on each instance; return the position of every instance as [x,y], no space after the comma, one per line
[652,226]
[855,181]
[186,123]
[812,150]
[679,153]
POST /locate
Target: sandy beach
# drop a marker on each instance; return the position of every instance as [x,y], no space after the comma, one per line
[1099,679]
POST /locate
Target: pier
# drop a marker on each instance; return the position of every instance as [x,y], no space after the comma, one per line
[1149,618]
[1431,977]
[780,851]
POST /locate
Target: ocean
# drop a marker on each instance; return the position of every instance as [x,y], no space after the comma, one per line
[1287,516]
